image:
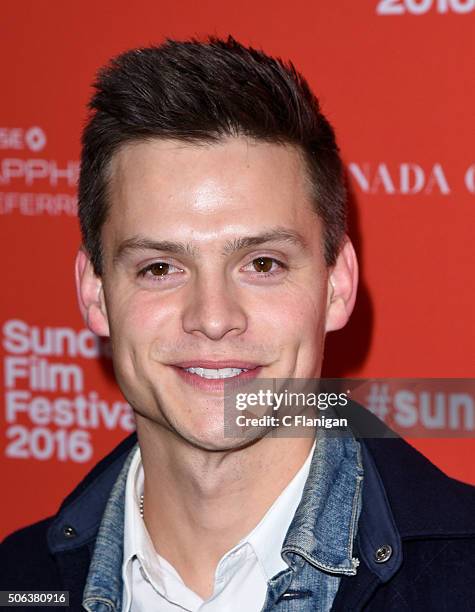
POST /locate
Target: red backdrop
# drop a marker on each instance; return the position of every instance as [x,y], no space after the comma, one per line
[396,79]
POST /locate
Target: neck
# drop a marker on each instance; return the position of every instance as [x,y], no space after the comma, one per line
[201,503]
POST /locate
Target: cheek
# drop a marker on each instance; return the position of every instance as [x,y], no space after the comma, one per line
[141,310]
[140,320]
[296,311]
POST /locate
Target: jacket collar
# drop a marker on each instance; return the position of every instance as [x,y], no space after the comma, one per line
[104,581]
[83,511]
[396,476]
[404,496]
[321,533]
[424,501]
[324,526]
[78,519]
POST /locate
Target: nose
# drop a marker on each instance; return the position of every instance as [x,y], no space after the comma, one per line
[214,310]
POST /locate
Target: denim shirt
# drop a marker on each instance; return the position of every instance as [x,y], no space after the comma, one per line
[317,548]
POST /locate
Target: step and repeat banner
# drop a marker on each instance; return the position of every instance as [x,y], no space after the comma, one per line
[396,79]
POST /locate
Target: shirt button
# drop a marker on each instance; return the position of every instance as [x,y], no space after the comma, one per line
[383,553]
[69,532]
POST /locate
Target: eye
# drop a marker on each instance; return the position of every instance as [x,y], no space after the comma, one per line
[265,266]
[159,269]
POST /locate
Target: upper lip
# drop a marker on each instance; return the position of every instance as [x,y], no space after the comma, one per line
[217,365]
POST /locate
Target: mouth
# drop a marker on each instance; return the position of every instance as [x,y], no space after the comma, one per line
[211,376]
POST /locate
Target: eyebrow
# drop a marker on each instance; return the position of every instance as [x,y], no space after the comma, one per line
[141,243]
[274,235]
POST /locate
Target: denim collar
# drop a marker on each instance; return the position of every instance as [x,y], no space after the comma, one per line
[321,532]
[324,526]
[103,590]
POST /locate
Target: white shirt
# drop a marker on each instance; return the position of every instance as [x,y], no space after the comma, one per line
[153,584]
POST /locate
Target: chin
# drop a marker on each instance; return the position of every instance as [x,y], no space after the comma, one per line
[217,445]
[215,441]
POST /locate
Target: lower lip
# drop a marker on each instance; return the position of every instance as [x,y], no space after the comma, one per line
[216,384]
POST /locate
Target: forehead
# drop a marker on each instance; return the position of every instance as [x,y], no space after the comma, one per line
[206,190]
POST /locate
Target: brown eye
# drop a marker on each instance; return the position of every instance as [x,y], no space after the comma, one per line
[263,264]
[160,268]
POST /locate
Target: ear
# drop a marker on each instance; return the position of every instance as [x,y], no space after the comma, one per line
[90,295]
[342,285]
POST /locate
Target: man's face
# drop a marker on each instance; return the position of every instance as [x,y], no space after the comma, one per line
[213,266]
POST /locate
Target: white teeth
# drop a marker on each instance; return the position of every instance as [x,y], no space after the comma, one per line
[219,373]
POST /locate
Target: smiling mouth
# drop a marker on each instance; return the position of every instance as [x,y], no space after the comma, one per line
[216,373]
[211,375]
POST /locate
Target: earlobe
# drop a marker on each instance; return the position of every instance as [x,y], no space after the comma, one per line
[90,295]
[342,286]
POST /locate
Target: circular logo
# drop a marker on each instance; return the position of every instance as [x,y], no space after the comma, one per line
[35,138]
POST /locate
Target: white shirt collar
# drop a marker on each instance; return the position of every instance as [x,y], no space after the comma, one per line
[266,539]
[269,534]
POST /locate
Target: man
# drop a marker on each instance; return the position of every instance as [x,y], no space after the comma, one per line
[212,208]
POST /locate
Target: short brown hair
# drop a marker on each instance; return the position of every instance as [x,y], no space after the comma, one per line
[204,91]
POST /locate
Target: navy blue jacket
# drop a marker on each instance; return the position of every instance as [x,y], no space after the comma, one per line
[434,516]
